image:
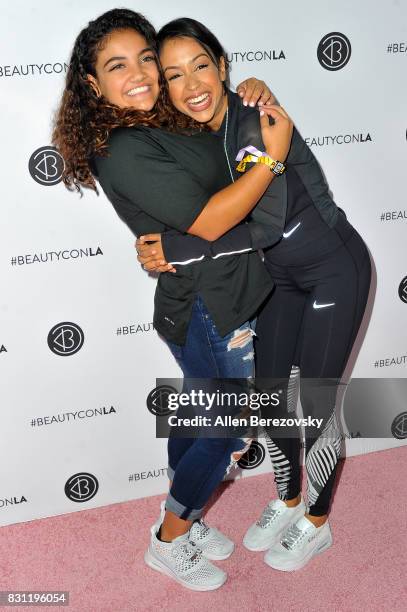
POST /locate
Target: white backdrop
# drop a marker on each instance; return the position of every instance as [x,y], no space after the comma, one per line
[75,430]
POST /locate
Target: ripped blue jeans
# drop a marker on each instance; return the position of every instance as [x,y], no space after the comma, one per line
[196,466]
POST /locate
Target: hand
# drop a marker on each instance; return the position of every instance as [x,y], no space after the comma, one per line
[151,256]
[276,137]
[253,91]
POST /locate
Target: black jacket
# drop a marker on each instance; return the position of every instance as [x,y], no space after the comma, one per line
[158,180]
[266,224]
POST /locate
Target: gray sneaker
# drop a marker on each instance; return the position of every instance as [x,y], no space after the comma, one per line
[298,545]
[183,561]
[214,544]
[275,519]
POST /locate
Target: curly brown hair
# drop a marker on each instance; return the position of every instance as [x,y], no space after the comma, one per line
[83,121]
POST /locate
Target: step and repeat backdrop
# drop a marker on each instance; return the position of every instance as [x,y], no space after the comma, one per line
[79,356]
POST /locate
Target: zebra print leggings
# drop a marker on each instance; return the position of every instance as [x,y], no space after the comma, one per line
[311,320]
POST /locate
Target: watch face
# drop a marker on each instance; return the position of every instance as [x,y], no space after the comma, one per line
[279,168]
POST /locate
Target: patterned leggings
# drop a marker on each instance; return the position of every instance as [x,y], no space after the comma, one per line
[311,320]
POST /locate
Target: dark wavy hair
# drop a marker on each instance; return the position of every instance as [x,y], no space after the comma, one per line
[83,120]
[184,27]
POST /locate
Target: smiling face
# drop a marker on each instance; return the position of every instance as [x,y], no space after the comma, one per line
[126,71]
[195,83]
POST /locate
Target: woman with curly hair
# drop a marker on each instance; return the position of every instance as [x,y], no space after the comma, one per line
[163,169]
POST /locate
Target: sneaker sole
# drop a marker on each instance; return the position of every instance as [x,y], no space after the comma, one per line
[157,565]
[214,557]
[291,568]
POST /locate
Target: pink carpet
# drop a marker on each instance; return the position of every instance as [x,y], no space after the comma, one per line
[97,555]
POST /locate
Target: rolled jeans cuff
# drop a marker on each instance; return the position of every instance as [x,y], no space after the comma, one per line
[187,514]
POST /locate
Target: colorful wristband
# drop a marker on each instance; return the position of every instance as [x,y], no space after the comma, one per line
[251,150]
[258,157]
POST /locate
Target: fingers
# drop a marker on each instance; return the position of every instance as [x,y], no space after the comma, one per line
[146,250]
[143,259]
[264,120]
[279,115]
[267,97]
[271,100]
[148,238]
[254,95]
[150,255]
[241,88]
[167,268]
[245,90]
[253,91]
[153,266]
[276,137]
[274,111]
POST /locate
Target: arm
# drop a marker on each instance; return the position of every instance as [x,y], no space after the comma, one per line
[231,205]
[267,220]
[172,248]
[264,228]
[250,236]
[187,206]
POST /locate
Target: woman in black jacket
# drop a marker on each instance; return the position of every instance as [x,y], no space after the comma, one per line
[322,271]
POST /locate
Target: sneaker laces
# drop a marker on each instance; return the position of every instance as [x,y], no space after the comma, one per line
[188,550]
[268,516]
[292,537]
[198,530]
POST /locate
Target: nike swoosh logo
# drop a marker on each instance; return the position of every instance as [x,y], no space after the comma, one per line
[316,306]
[288,234]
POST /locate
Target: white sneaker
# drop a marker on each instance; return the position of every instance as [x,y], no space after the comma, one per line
[214,545]
[299,544]
[275,519]
[183,561]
